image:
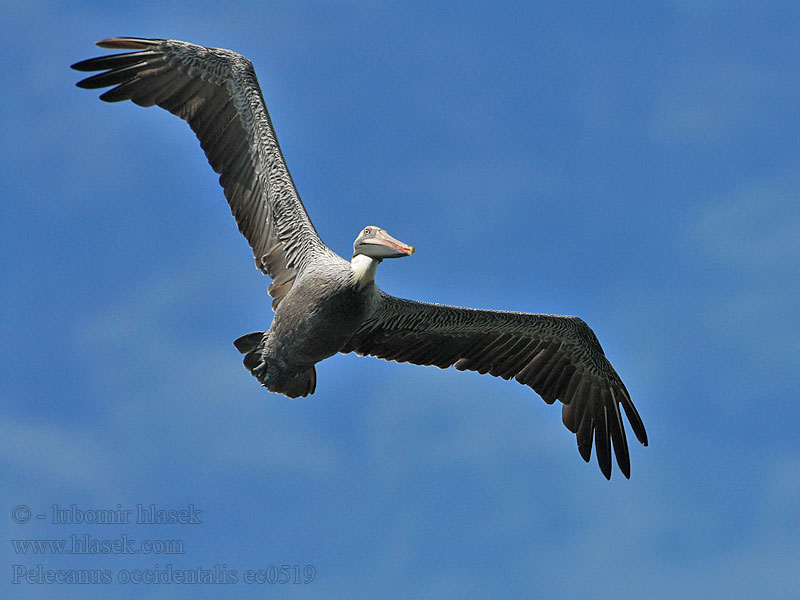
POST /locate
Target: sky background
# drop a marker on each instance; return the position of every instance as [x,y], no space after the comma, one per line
[636,164]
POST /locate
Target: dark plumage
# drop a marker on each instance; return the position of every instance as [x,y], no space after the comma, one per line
[325,304]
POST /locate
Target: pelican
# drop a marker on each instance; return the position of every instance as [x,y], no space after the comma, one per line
[325,304]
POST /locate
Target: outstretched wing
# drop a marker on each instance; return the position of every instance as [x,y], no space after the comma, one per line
[559,357]
[217,93]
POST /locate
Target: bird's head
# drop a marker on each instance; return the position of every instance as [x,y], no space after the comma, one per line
[376,244]
[372,245]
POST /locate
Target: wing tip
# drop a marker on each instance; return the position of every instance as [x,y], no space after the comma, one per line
[133,43]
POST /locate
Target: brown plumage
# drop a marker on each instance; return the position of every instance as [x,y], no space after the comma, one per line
[325,304]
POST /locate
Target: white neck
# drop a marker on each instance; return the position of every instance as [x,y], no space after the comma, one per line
[363,268]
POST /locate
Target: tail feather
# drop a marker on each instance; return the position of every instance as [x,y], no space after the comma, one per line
[248,343]
[301,384]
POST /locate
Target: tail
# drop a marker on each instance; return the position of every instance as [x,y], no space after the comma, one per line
[252,345]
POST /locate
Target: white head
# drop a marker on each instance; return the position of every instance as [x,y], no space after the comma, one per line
[372,245]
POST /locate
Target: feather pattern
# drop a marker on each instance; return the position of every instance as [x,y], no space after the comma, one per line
[558,356]
[216,92]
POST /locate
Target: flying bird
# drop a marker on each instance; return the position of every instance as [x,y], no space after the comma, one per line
[325,304]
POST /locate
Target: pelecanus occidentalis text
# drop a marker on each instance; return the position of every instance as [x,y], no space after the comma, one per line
[325,304]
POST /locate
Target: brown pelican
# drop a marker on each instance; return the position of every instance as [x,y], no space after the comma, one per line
[325,304]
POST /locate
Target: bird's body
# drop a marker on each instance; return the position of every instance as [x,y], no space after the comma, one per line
[316,318]
[325,304]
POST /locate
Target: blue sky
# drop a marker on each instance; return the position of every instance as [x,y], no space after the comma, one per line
[635,164]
